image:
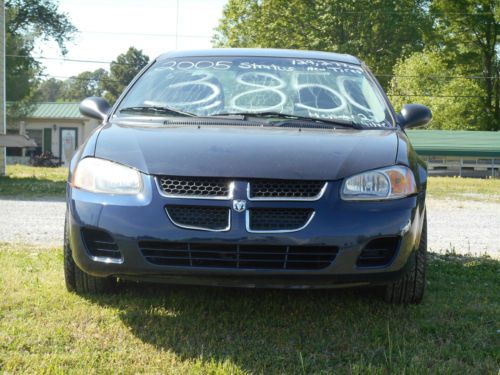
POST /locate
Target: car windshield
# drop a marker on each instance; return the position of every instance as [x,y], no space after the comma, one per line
[207,86]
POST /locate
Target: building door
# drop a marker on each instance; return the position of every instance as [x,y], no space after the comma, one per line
[47,140]
[68,141]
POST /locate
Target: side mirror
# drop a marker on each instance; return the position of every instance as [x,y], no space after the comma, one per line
[415,115]
[95,107]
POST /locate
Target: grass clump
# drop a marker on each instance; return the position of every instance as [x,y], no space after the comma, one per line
[151,328]
[459,188]
[26,181]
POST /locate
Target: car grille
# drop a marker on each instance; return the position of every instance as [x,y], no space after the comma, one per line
[238,256]
[216,218]
[278,219]
[258,189]
[100,243]
[285,189]
[195,187]
[199,217]
[378,252]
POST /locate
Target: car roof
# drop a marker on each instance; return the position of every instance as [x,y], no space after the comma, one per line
[262,52]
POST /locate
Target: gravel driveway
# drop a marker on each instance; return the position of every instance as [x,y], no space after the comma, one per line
[39,222]
[468,227]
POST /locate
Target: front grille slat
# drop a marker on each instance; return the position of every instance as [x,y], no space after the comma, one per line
[276,253]
[285,190]
[258,189]
[238,256]
[378,252]
[259,220]
[99,249]
[278,219]
[100,244]
[178,251]
[199,217]
[195,187]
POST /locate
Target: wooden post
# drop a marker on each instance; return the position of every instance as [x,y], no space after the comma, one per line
[3,119]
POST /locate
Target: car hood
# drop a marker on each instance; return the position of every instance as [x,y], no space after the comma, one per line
[247,152]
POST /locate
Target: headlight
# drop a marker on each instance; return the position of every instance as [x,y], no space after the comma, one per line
[387,183]
[102,176]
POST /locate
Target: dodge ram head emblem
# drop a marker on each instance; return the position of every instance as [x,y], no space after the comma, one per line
[239,205]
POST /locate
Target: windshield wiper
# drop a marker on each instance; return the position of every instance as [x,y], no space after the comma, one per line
[157,109]
[289,116]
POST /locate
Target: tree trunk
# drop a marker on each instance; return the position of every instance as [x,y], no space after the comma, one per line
[496,125]
[488,55]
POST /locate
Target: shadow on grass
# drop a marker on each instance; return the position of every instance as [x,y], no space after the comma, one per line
[30,187]
[264,331]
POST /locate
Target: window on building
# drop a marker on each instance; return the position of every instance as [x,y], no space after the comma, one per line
[37,136]
[13,151]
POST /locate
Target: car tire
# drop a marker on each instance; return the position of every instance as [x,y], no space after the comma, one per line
[410,288]
[78,281]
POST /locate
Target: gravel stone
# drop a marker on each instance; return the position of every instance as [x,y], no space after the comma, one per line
[466,227]
[39,222]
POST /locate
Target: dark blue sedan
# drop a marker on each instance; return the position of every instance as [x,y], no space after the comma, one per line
[249,168]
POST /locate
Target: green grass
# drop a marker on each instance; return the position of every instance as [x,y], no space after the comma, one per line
[185,330]
[464,188]
[27,181]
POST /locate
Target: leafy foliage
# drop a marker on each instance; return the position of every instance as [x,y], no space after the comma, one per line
[97,83]
[50,90]
[470,30]
[459,36]
[426,78]
[28,21]
[123,70]
[73,89]
[38,19]
[365,29]
[84,85]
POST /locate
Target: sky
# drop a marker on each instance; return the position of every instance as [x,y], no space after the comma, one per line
[108,28]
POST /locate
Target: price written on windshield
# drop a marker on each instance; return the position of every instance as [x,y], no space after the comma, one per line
[324,89]
[287,66]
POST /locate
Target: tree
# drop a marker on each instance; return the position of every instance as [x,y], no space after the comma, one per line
[50,90]
[471,29]
[84,85]
[460,36]
[73,89]
[96,83]
[427,78]
[28,21]
[123,70]
[379,31]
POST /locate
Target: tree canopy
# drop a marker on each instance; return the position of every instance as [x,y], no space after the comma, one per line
[28,21]
[50,90]
[459,36]
[99,82]
[72,89]
[122,70]
[379,31]
[426,78]
[470,30]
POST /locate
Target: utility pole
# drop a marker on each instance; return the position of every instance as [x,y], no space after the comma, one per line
[176,25]
[3,117]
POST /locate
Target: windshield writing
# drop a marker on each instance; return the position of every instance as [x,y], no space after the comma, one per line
[312,88]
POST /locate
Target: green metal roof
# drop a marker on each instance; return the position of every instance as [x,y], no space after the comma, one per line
[455,143]
[56,110]
[425,142]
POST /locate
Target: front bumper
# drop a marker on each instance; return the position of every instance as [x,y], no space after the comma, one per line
[346,225]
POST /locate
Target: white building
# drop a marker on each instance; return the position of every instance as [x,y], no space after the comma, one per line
[55,127]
